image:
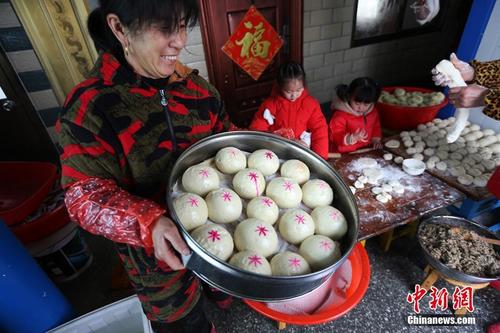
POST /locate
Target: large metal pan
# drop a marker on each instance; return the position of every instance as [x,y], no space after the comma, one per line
[242,283]
[453,221]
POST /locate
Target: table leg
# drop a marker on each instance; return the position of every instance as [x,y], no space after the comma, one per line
[386,239]
[431,278]
[363,242]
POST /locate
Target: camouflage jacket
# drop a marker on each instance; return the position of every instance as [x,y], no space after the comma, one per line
[120,134]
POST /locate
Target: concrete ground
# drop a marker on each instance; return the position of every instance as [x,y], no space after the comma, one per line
[383,309]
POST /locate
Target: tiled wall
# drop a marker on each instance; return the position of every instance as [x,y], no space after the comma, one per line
[20,53]
[329,60]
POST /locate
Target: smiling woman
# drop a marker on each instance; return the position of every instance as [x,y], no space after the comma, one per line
[121,131]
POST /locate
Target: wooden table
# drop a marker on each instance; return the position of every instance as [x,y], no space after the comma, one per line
[474,192]
[423,194]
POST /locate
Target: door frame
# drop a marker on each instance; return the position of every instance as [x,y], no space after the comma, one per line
[295,35]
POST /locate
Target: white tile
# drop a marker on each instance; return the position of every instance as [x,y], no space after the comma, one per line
[323,72]
[342,68]
[332,3]
[8,18]
[343,14]
[24,61]
[341,43]
[312,4]
[353,54]
[192,53]
[320,47]
[347,28]
[312,34]
[43,99]
[334,57]
[194,36]
[313,62]
[321,17]
[331,31]
[306,17]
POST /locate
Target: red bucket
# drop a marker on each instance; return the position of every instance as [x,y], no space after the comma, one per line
[359,284]
[398,117]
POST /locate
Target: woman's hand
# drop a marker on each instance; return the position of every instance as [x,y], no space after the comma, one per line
[468,97]
[166,241]
[376,143]
[466,71]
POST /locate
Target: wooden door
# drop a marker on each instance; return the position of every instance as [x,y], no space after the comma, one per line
[219,19]
[23,137]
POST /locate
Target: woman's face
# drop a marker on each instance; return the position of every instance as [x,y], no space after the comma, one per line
[153,52]
[292,89]
[359,107]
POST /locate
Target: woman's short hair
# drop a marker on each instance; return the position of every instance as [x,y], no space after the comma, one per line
[290,71]
[137,15]
[362,89]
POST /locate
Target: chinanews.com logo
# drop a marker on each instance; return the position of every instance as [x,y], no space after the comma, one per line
[462,298]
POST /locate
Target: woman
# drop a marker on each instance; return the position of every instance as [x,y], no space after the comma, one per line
[121,130]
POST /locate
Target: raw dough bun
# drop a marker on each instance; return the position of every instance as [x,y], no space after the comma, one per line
[411,151]
[465,179]
[363,179]
[317,193]
[200,179]
[392,144]
[456,156]
[474,172]
[353,189]
[215,239]
[296,225]
[398,159]
[495,148]
[377,190]
[434,159]
[367,162]
[230,160]
[285,192]
[359,184]
[481,181]
[417,138]
[457,171]
[295,169]
[224,205]
[265,161]
[430,164]
[256,235]
[421,127]
[191,210]
[249,183]
[418,156]
[398,188]
[488,132]
[251,261]
[475,127]
[330,222]
[429,152]
[404,134]
[263,208]
[408,143]
[320,251]
[386,188]
[382,198]
[388,156]
[289,264]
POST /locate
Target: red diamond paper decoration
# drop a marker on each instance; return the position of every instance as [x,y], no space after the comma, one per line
[254,43]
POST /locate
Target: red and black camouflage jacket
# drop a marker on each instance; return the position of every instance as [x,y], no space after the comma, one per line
[120,138]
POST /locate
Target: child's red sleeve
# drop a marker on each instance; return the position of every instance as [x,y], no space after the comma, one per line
[338,132]
[377,128]
[319,132]
[258,122]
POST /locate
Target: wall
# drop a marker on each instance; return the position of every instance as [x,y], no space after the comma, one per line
[489,49]
[23,59]
[329,60]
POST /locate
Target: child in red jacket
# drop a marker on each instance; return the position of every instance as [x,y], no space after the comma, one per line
[291,107]
[355,122]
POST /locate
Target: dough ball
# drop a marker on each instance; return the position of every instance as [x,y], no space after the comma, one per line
[388,156]
[289,264]
[296,225]
[465,179]
[224,205]
[411,151]
[256,235]
[317,192]
[408,143]
[386,188]
[392,144]
[296,170]
[382,198]
[251,261]
[398,159]
[330,222]
[285,192]
[215,239]
[418,156]
[249,183]
[377,190]
[230,160]
[429,152]
[481,180]
[191,210]
[363,179]
[265,161]
[359,184]
[320,251]
[263,208]
[200,179]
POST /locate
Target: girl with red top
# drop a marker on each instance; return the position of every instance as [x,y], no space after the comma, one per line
[355,122]
[290,107]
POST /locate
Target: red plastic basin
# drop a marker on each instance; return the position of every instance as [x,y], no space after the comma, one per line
[23,187]
[399,117]
[357,289]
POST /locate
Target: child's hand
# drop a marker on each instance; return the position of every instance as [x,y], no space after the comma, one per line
[376,144]
[358,136]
